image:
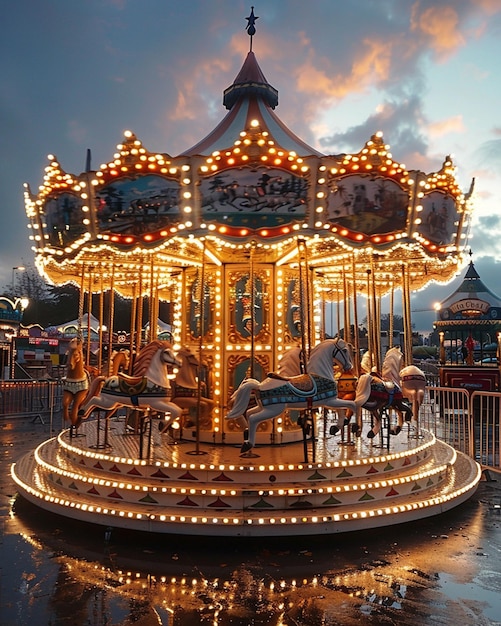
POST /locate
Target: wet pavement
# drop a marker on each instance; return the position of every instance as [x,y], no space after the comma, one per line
[443,570]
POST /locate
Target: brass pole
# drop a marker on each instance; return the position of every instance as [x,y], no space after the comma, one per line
[111,318]
[355,316]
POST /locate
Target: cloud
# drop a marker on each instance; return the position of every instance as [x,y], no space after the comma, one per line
[440,27]
[399,122]
[453,124]
[486,231]
[371,65]
[488,155]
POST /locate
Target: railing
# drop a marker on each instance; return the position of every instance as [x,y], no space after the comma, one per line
[468,422]
[471,423]
[38,399]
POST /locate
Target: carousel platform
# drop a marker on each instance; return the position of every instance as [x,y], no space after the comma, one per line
[156,484]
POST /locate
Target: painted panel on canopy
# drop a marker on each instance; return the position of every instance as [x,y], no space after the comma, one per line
[63,222]
[137,205]
[367,204]
[254,198]
[439,218]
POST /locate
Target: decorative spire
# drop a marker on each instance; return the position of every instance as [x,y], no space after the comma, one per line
[251,26]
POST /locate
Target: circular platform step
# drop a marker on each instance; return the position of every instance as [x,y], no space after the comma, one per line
[212,490]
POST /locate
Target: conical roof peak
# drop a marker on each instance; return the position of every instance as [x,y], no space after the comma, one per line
[471,273]
[250,82]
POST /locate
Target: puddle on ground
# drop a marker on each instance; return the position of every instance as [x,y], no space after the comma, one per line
[65,572]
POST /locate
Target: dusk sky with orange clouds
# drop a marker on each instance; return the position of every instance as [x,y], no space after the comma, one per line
[76,75]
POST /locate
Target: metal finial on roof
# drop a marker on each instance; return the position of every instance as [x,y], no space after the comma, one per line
[251,26]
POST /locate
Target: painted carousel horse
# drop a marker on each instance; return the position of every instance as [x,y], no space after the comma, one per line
[147,389]
[119,361]
[378,395]
[380,392]
[412,380]
[277,393]
[187,391]
[76,381]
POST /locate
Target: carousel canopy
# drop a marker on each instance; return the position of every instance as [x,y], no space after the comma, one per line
[251,184]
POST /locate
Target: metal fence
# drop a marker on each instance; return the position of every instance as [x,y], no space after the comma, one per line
[468,422]
[38,399]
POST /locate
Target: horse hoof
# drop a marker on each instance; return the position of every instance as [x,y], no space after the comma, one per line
[371,434]
[246,446]
[334,430]
[395,431]
[356,430]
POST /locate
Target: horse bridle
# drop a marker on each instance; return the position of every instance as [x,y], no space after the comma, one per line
[343,352]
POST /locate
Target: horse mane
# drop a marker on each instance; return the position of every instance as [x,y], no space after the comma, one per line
[146,354]
[186,376]
[72,349]
[289,364]
[366,362]
[321,357]
[392,364]
[363,389]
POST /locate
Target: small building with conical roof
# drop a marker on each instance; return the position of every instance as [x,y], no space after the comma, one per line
[469,326]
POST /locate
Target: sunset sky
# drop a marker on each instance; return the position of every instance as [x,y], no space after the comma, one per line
[76,75]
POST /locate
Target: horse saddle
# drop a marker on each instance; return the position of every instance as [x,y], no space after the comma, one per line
[389,385]
[131,385]
[302,385]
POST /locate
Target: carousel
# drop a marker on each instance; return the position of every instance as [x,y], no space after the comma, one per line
[258,417]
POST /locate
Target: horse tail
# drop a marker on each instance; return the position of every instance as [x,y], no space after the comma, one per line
[241,398]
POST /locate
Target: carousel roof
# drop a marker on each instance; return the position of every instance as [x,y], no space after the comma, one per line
[250,98]
[251,184]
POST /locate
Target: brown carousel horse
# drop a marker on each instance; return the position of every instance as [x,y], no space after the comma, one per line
[119,361]
[277,393]
[187,391]
[148,389]
[76,381]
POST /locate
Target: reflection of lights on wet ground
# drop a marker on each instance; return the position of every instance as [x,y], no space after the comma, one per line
[392,574]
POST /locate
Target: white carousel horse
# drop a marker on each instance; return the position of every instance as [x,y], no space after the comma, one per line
[76,381]
[366,363]
[147,389]
[185,386]
[275,394]
[412,380]
[376,394]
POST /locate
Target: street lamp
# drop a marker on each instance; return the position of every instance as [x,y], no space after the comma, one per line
[18,268]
